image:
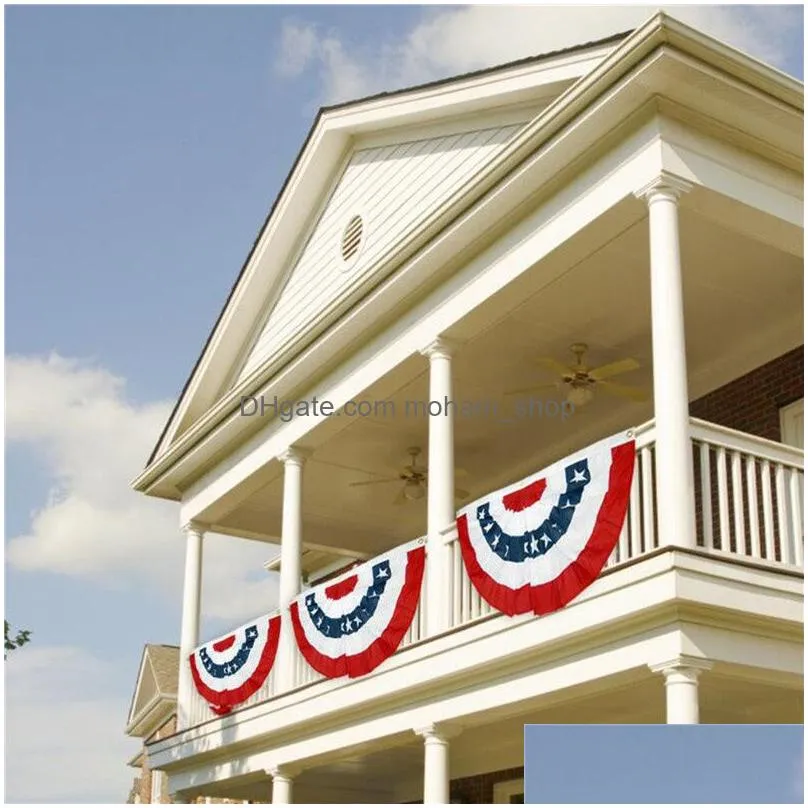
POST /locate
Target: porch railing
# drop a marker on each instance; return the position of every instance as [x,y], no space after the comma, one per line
[748,502]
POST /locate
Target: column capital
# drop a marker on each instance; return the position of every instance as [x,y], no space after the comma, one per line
[665,186]
[438,731]
[440,348]
[194,527]
[284,771]
[295,455]
[687,667]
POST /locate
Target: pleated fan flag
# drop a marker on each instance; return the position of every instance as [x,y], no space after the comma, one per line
[349,627]
[537,544]
[227,671]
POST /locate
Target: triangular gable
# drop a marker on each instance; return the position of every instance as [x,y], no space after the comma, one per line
[157,679]
[145,688]
[384,191]
[257,314]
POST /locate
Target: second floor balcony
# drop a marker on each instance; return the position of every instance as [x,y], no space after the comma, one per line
[748,514]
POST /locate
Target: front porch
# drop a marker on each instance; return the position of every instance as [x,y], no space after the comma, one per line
[748,513]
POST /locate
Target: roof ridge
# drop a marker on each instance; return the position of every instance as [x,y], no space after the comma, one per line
[525,60]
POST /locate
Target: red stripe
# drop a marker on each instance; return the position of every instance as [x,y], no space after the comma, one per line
[381,648]
[525,497]
[223,701]
[223,645]
[341,588]
[555,594]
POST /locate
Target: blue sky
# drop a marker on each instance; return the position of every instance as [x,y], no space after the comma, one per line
[144,146]
[708,764]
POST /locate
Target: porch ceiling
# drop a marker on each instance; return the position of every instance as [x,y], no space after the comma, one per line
[743,306]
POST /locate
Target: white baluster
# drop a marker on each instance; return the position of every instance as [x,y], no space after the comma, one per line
[768,508]
[635,512]
[737,504]
[796,516]
[723,498]
[648,528]
[465,594]
[457,582]
[782,512]
[752,494]
[706,495]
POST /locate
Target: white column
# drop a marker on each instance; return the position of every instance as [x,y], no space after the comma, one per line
[281,785]
[674,456]
[682,688]
[436,762]
[291,545]
[440,491]
[189,633]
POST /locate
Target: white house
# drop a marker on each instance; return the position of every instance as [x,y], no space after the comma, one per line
[637,198]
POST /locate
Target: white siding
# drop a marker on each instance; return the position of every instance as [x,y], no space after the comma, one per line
[392,188]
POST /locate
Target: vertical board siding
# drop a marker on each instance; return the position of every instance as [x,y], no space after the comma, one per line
[392,188]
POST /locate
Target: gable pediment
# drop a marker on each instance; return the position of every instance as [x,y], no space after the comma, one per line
[383,193]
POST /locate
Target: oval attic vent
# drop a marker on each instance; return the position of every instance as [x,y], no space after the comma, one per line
[352,238]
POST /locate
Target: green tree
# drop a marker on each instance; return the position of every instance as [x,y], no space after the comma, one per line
[18,641]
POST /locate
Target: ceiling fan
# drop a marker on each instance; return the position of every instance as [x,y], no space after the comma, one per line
[414,477]
[581,381]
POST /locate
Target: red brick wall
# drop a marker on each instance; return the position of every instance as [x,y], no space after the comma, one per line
[479,789]
[752,403]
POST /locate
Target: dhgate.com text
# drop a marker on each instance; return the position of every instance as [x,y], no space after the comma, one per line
[507,411]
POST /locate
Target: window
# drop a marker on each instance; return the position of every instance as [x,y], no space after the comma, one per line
[792,424]
[157,787]
[512,791]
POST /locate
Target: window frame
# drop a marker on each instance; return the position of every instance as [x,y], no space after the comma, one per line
[505,789]
[788,420]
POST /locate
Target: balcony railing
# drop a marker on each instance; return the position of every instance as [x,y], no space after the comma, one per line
[748,500]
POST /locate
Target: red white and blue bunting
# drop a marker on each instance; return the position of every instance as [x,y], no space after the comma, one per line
[349,627]
[537,544]
[229,670]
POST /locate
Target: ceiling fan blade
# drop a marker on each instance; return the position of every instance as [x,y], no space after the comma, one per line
[614,368]
[555,366]
[534,389]
[634,393]
[460,493]
[460,472]
[374,482]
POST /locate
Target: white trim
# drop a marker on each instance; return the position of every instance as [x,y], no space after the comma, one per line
[157,778]
[791,424]
[505,790]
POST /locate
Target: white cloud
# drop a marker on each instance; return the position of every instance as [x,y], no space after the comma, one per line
[445,42]
[75,418]
[64,741]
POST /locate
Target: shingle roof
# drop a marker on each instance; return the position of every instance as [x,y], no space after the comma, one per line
[165,662]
